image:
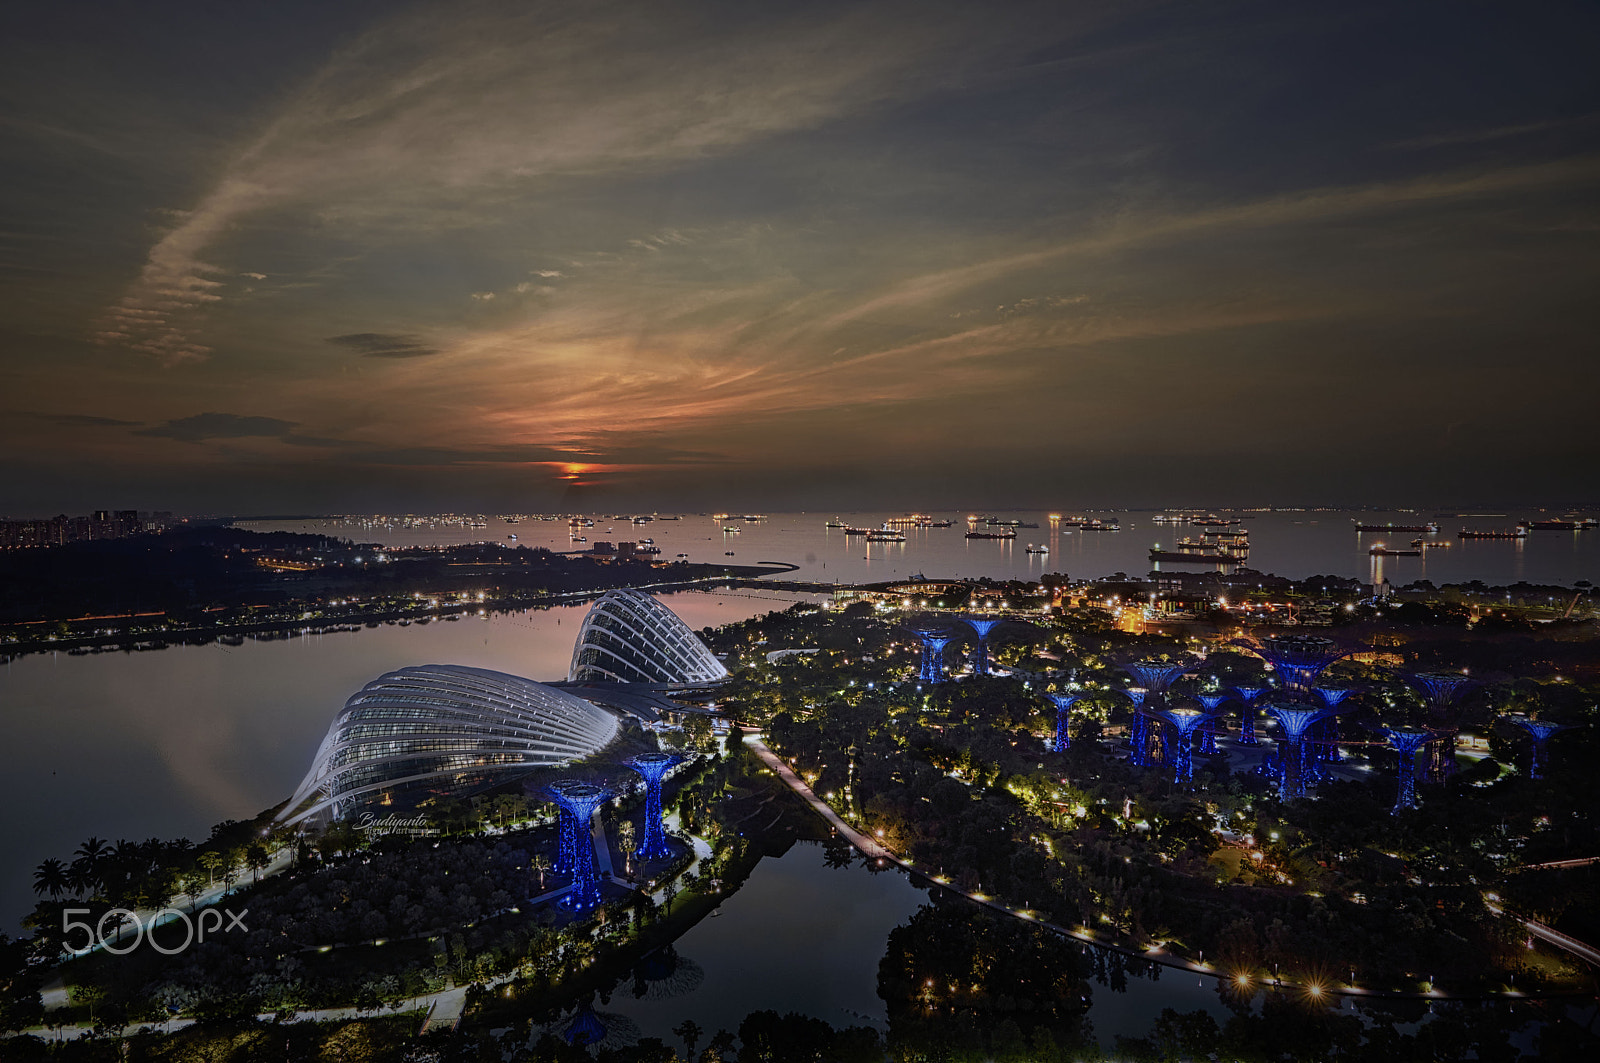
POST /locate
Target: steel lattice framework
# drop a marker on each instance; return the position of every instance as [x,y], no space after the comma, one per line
[629,637]
[1184,722]
[1540,731]
[1247,714]
[1063,703]
[1156,676]
[654,767]
[932,666]
[444,727]
[980,652]
[1296,722]
[1298,660]
[1406,742]
[579,800]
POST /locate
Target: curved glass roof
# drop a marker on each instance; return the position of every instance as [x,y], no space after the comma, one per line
[443,728]
[630,637]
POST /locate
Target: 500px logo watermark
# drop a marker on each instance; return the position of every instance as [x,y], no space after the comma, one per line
[195,929]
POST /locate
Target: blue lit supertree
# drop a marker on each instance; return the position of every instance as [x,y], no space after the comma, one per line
[1247,715]
[566,839]
[1406,741]
[1295,721]
[579,800]
[1298,660]
[1441,691]
[1184,722]
[1540,731]
[1208,730]
[980,652]
[1156,676]
[1063,704]
[653,766]
[933,644]
[1139,733]
[1326,749]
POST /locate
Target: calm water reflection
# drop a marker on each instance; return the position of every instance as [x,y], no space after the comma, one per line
[802,936]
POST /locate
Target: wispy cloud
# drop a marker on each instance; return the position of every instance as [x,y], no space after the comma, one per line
[384,344]
[500,94]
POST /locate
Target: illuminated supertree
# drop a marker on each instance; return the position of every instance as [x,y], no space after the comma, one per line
[1208,730]
[933,644]
[1326,749]
[1184,722]
[1247,715]
[580,800]
[1540,731]
[1295,723]
[1139,733]
[1156,676]
[980,652]
[1441,691]
[653,766]
[1063,704]
[1406,741]
[566,838]
[1298,660]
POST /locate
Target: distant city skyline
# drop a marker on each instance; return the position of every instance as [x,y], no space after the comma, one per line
[495,257]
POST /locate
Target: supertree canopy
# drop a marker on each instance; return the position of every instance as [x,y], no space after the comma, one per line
[1540,731]
[1298,659]
[1296,722]
[1441,691]
[1157,676]
[1247,724]
[1406,742]
[1208,730]
[653,766]
[933,644]
[1184,722]
[579,800]
[1063,703]
[980,652]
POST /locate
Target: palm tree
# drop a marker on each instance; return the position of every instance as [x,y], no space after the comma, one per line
[690,1032]
[51,878]
[541,864]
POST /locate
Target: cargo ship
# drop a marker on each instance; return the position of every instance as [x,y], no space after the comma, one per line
[1497,533]
[1186,554]
[1431,528]
[1552,525]
[1040,549]
[1379,550]
[991,535]
[1214,522]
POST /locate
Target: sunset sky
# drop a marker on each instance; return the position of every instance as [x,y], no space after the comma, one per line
[323,257]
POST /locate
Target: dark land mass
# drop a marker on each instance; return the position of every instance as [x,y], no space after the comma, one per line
[198,583]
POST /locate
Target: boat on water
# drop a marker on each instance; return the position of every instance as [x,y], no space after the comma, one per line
[1193,555]
[683,555]
[1040,549]
[1492,533]
[1431,544]
[1379,550]
[1431,528]
[727,553]
[1214,521]
[885,535]
[939,524]
[1554,525]
[835,523]
[991,535]
[512,537]
[858,531]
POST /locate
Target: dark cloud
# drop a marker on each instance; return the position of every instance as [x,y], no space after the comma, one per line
[81,420]
[203,426]
[384,344]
